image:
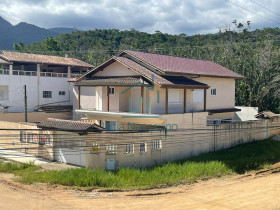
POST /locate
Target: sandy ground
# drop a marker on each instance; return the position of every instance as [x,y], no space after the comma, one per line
[258,190]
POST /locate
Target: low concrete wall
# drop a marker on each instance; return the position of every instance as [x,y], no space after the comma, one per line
[189,137]
[34,116]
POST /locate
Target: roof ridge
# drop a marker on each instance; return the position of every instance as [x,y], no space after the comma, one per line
[26,53]
[168,55]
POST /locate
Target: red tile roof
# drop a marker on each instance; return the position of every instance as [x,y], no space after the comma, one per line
[173,64]
[34,58]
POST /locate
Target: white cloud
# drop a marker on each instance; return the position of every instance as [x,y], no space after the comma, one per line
[168,16]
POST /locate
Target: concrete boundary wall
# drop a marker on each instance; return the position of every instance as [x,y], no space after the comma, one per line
[191,138]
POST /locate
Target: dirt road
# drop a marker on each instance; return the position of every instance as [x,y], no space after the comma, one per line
[260,191]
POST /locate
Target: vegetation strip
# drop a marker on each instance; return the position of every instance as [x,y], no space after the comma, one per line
[240,159]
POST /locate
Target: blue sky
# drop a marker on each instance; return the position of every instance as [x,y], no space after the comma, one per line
[167,16]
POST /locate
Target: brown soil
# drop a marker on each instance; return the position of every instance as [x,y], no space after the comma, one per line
[258,190]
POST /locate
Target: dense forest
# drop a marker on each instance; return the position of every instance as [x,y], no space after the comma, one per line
[254,54]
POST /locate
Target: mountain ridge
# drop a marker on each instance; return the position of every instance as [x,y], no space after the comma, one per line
[26,33]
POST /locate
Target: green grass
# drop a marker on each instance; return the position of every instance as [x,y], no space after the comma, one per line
[246,157]
[17,168]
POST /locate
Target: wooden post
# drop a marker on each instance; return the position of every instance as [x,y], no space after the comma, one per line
[79,97]
[184,100]
[108,105]
[142,99]
[166,100]
[205,99]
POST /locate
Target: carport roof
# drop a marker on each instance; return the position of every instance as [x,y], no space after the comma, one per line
[69,125]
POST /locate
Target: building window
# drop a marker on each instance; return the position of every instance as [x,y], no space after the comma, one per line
[95,148]
[61,93]
[111,91]
[174,96]
[143,147]
[111,149]
[44,140]
[213,92]
[110,125]
[47,94]
[129,149]
[198,96]
[22,136]
[156,145]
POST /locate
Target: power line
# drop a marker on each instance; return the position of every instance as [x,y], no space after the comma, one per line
[252,12]
[264,7]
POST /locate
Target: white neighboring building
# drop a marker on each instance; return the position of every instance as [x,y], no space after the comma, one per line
[46,79]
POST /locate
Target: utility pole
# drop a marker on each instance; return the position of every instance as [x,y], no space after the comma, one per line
[25,103]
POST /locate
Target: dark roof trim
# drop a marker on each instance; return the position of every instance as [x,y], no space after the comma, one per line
[69,125]
[215,111]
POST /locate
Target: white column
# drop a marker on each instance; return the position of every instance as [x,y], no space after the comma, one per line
[69,72]
[38,83]
[10,70]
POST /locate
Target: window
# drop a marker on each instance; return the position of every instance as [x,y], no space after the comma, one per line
[47,94]
[143,147]
[95,148]
[61,93]
[156,145]
[129,149]
[111,149]
[110,125]
[174,96]
[111,91]
[22,136]
[44,140]
[213,92]
[198,96]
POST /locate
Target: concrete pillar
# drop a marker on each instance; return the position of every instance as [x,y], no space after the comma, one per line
[10,70]
[69,72]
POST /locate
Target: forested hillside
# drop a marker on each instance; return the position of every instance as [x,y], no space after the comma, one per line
[253,54]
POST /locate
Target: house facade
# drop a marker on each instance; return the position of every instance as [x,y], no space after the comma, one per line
[144,87]
[46,79]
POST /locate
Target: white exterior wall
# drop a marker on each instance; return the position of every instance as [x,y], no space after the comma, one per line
[34,87]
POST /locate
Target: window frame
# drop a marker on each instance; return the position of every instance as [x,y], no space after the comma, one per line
[95,151]
[156,145]
[145,147]
[111,149]
[60,93]
[45,142]
[112,91]
[46,92]
[213,91]
[129,149]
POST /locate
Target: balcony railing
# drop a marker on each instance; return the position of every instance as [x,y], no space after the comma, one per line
[53,74]
[24,73]
[75,75]
[4,72]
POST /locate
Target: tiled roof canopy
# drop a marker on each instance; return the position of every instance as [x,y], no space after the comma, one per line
[173,64]
[69,125]
[34,58]
[111,80]
[3,62]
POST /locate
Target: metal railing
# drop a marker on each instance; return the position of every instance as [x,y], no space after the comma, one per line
[4,71]
[53,74]
[75,75]
[24,73]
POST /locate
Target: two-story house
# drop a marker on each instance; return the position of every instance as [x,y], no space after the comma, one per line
[144,87]
[46,79]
